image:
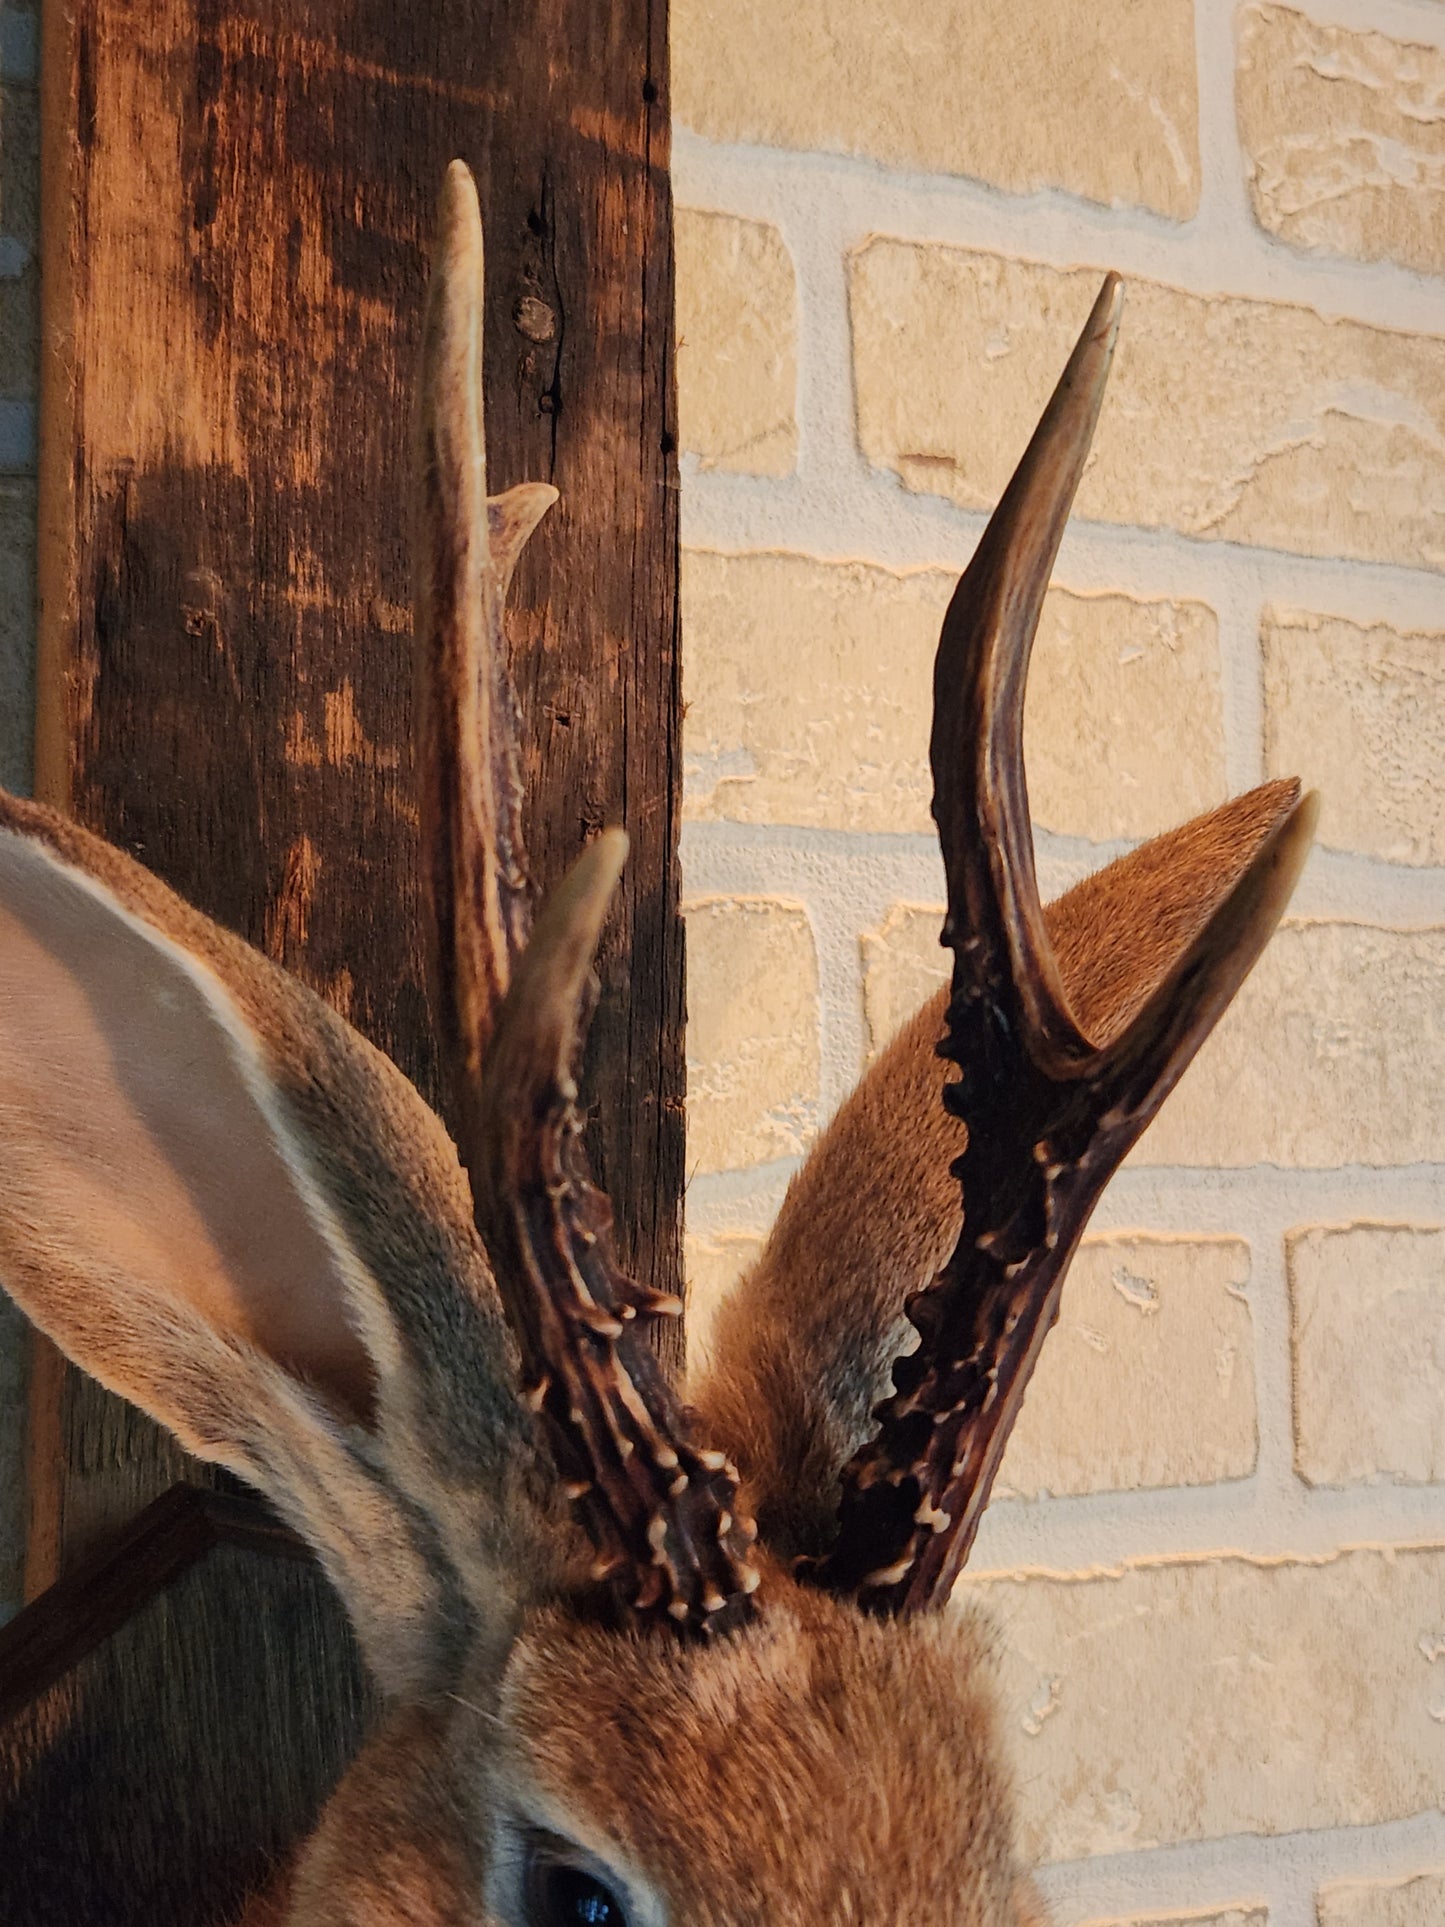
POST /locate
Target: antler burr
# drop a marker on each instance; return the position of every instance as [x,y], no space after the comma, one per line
[663,1511]
[1050,1111]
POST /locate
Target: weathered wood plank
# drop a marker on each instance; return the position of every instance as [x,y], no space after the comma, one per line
[238,195]
[114,1820]
[242,189]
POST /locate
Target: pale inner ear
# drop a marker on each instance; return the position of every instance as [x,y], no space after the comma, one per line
[140,1130]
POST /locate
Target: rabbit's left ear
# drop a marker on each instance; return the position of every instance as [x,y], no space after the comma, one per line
[205,1172]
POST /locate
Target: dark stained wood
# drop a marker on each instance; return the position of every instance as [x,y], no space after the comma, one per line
[237,200]
[59,1631]
[112,1822]
[248,186]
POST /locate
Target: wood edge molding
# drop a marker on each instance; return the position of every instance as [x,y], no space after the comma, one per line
[57,1630]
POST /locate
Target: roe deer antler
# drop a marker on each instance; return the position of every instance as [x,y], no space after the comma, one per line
[1049,1111]
[663,1511]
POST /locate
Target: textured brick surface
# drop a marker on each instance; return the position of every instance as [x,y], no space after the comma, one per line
[20,40]
[903,963]
[752,1032]
[736,354]
[1415,1902]
[1344,138]
[1207,1697]
[1148,1377]
[17,630]
[713,1265]
[809,690]
[1022,93]
[19,336]
[1230,1917]
[1333,1053]
[1360,715]
[1368,1314]
[1246,421]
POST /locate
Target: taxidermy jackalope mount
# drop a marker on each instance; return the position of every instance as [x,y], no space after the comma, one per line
[643,1660]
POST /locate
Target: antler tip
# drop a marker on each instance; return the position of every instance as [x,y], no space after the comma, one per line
[458,250]
[544,1010]
[459,191]
[1109,305]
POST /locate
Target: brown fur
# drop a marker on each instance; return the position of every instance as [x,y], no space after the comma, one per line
[790,1789]
[816,1764]
[417,1477]
[804,1349]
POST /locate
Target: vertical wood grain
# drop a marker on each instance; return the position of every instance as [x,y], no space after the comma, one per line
[241,192]
[238,196]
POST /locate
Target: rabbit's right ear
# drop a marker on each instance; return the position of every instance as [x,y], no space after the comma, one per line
[227,1207]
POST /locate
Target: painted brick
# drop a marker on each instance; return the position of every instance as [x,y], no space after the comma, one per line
[1344,138]
[1198,1698]
[1333,1052]
[752,1032]
[1418,1901]
[1367,1304]
[1231,1917]
[712,1266]
[1360,715]
[1148,1377]
[1227,419]
[1022,93]
[17,630]
[809,687]
[903,964]
[736,353]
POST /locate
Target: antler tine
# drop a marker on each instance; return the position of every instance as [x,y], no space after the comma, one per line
[1050,1112]
[511,1013]
[662,1511]
[980,799]
[475,866]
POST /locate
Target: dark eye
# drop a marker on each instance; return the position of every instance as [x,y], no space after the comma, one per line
[559,1895]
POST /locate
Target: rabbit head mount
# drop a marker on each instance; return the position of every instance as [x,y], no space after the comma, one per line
[642,1660]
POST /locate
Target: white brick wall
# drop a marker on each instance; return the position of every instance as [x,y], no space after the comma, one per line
[1223,1597]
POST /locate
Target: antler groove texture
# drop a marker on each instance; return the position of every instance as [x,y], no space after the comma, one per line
[512,1011]
[1050,1111]
[469,769]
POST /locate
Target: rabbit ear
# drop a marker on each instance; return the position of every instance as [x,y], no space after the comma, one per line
[219,1200]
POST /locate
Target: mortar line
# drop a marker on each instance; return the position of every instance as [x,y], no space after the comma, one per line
[866,872]
[867,516]
[1213,257]
[1282,1871]
[1226,218]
